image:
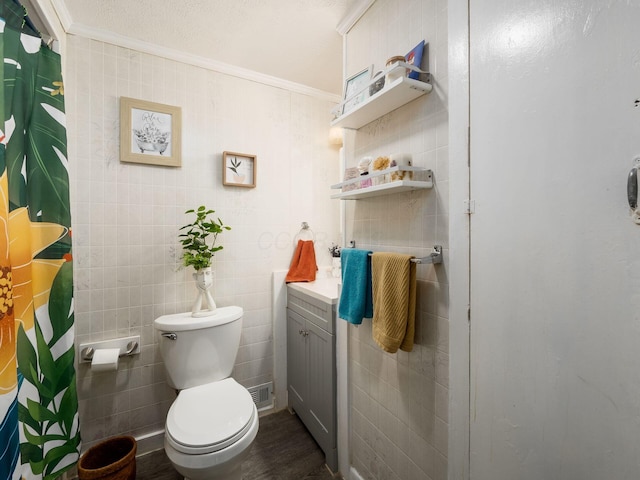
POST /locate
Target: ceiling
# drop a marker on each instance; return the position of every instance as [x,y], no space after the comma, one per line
[293,40]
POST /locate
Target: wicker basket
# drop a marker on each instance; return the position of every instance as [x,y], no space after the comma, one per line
[113,459]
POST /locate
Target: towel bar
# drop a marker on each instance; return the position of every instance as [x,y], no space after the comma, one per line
[434,257]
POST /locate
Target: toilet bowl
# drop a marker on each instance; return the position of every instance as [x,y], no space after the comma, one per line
[213,422]
[209,430]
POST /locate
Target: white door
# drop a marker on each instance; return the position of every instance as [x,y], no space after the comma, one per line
[555,256]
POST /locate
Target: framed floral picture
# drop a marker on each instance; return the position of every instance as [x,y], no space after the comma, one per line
[239,169]
[150,133]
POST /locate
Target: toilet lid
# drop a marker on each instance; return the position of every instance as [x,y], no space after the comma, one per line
[209,417]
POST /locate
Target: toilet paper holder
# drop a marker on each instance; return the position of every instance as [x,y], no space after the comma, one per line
[128,346]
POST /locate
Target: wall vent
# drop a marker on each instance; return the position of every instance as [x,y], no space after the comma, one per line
[262,395]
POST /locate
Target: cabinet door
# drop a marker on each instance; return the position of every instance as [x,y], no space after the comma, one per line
[296,359]
[322,384]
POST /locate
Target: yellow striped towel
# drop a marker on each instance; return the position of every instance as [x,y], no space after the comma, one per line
[394,301]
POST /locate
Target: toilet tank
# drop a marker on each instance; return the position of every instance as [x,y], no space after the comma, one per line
[199,350]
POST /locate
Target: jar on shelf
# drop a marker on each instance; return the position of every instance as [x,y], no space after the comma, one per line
[380,163]
[395,73]
[395,59]
[363,169]
[401,160]
[378,83]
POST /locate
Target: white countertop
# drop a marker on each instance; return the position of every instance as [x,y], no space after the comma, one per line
[324,289]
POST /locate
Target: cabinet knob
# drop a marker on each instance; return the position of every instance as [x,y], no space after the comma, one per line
[304,333]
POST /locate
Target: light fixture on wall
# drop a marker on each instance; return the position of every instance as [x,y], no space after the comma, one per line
[335,136]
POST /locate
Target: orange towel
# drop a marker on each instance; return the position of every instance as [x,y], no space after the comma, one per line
[394,301]
[303,265]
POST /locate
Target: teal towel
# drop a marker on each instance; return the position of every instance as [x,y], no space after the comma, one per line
[356,299]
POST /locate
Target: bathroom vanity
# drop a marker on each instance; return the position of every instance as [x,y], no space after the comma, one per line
[311,360]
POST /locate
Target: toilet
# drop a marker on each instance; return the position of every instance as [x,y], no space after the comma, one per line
[213,422]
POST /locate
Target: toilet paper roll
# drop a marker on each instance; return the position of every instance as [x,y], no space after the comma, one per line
[105,359]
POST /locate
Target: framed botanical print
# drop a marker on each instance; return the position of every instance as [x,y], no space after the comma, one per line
[239,169]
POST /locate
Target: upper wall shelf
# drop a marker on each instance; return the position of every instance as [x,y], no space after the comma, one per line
[394,95]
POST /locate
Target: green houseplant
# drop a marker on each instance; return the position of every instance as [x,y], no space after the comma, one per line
[199,246]
[198,249]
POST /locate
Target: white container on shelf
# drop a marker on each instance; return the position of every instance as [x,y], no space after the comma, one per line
[401,160]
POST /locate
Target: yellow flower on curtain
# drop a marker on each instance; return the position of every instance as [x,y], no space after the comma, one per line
[8,378]
[31,279]
[59,90]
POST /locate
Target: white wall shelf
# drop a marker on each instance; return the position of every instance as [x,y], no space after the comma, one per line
[397,93]
[396,186]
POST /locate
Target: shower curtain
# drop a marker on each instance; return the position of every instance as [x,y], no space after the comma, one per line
[39,432]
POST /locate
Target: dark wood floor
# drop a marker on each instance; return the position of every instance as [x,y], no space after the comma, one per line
[283,450]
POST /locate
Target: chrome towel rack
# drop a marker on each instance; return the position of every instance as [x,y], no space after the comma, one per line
[434,257]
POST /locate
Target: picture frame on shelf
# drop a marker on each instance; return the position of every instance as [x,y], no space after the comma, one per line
[239,169]
[354,84]
[414,57]
[150,133]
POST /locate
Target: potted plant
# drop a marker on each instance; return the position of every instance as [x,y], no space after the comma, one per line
[199,247]
[336,267]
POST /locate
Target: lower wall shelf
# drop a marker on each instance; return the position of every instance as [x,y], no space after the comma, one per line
[397,186]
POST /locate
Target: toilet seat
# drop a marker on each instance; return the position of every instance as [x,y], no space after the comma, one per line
[209,417]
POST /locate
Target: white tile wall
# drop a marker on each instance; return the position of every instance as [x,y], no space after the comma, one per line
[399,402]
[126,216]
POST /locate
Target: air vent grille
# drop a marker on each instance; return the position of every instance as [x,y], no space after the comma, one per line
[262,395]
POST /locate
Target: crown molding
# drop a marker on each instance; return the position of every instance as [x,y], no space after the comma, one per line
[353,16]
[112,38]
[63,14]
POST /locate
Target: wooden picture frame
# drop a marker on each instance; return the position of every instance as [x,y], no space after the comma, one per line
[239,169]
[150,133]
[354,84]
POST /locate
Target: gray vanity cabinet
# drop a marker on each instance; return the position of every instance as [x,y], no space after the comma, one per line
[311,368]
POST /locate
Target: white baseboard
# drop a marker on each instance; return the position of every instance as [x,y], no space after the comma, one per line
[354,475]
[150,442]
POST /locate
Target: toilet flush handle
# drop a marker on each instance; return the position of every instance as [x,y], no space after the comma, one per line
[170,335]
[632,188]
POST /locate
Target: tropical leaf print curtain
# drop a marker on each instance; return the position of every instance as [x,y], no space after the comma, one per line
[39,433]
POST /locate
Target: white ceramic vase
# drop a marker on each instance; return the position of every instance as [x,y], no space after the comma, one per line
[204,282]
[336,267]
